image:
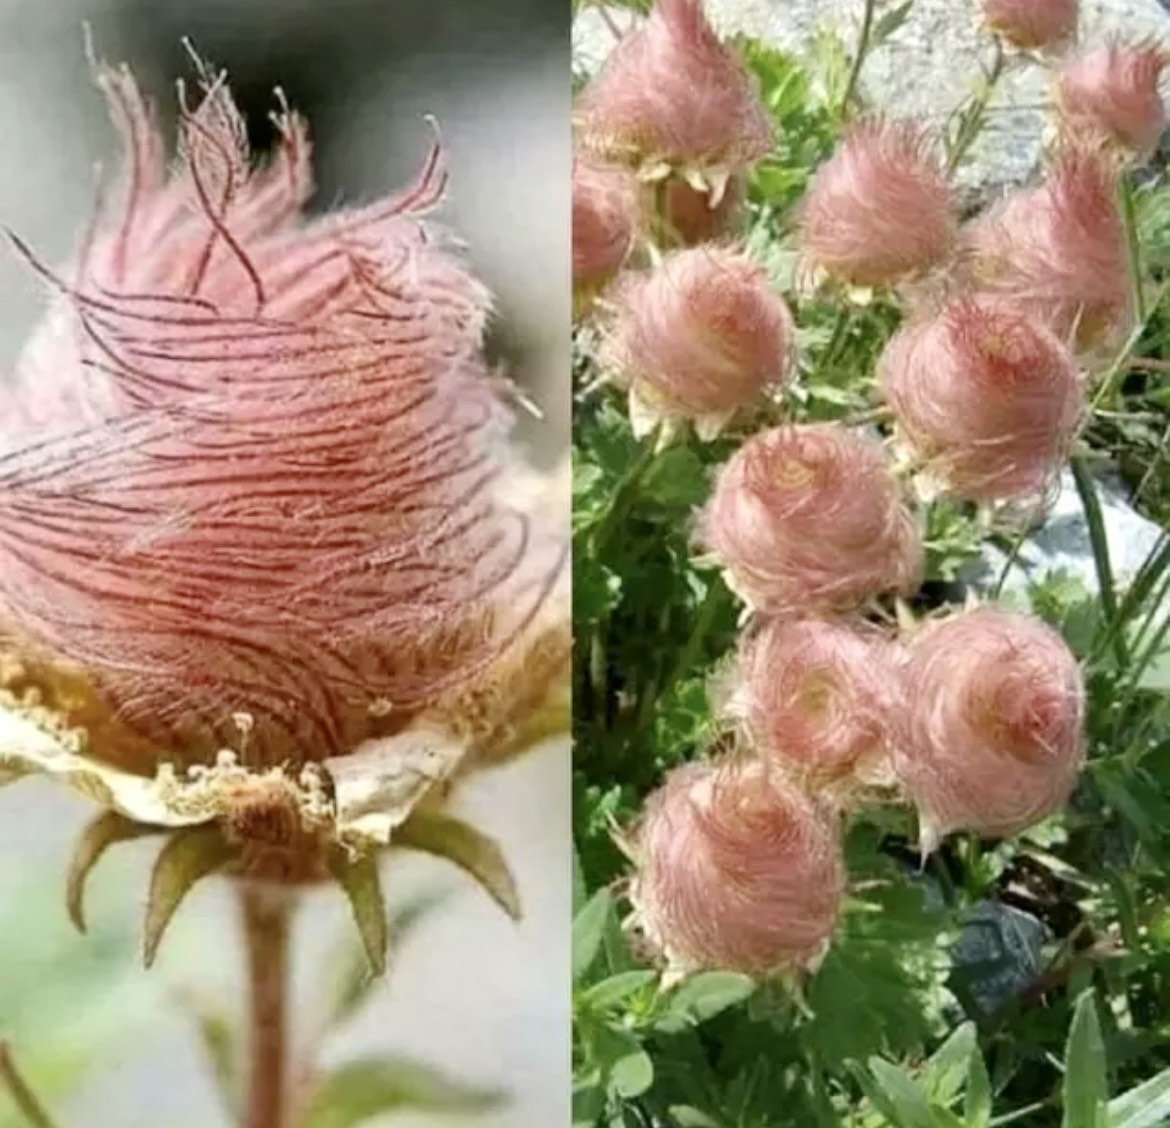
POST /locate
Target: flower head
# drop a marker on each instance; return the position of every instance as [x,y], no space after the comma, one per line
[880,209]
[694,216]
[991,737]
[737,870]
[988,397]
[808,520]
[1031,25]
[604,221]
[671,94]
[700,336]
[1058,250]
[1112,93]
[817,698]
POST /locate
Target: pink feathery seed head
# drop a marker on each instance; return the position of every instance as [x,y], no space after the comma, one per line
[817,697]
[737,870]
[1031,25]
[605,214]
[988,397]
[671,92]
[1058,250]
[702,334]
[251,458]
[808,520]
[991,738]
[1112,93]
[690,217]
[879,210]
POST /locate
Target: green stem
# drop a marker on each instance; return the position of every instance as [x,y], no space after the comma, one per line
[859,57]
[1091,504]
[1134,249]
[624,495]
[973,121]
[18,1089]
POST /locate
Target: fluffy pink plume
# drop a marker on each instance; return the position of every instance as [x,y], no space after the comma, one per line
[808,520]
[992,734]
[988,397]
[1058,250]
[879,210]
[818,697]
[702,334]
[1032,25]
[1112,93]
[737,870]
[252,459]
[605,213]
[671,92]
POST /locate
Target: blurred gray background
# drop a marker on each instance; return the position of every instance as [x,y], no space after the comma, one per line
[485,1000]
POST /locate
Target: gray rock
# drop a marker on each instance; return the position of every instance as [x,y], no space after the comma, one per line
[998,953]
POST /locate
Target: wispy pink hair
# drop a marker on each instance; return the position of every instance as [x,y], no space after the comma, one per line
[1112,92]
[737,870]
[807,519]
[605,215]
[992,737]
[1058,250]
[989,398]
[1032,25]
[671,92]
[879,209]
[251,460]
[818,698]
[702,333]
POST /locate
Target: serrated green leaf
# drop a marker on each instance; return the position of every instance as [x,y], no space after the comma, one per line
[588,931]
[702,996]
[361,882]
[475,853]
[1145,1106]
[187,857]
[903,1093]
[361,1091]
[108,829]
[1084,1091]
[617,988]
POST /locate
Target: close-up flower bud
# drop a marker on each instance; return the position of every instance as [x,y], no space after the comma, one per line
[988,399]
[1111,94]
[879,210]
[807,519]
[737,870]
[817,698]
[1058,250]
[1031,25]
[605,215]
[672,95]
[700,336]
[991,736]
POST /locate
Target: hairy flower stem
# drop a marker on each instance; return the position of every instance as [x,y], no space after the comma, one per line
[972,121]
[18,1089]
[266,916]
[859,57]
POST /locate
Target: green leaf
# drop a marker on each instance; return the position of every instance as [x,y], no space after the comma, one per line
[687,1117]
[903,1093]
[631,1075]
[362,1091]
[588,931]
[609,992]
[702,996]
[362,885]
[949,1065]
[889,22]
[1085,1091]
[108,829]
[1145,1106]
[977,1100]
[588,1104]
[475,853]
[187,858]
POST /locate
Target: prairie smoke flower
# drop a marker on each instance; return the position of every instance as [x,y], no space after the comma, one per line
[879,209]
[1031,25]
[1112,93]
[252,538]
[817,699]
[692,217]
[736,870]
[604,219]
[991,736]
[808,520]
[987,397]
[1058,251]
[698,338]
[672,96]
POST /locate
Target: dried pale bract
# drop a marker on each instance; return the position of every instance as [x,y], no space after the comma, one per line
[807,520]
[817,698]
[737,870]
[1112,94]
[1058,250]
[879,210]
[605,215]
[699,337]
[988,398]
[1031,25]
[992,737]
[672,96]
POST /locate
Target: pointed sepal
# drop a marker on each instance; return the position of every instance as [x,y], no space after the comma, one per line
[362,884]
[108,829]
[187,858]
[473,852]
